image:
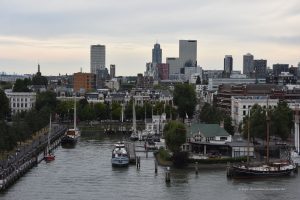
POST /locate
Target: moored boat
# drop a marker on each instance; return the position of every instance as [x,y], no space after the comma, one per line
[120,155]
[49,156]
[71,135]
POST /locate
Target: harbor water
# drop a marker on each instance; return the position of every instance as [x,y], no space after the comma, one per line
[85,172]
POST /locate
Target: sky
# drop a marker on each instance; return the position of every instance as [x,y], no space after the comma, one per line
[58,33]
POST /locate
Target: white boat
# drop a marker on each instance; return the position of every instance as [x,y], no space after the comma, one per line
[119,155]
[71,135]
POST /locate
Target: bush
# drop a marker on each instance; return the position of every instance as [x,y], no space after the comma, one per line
[164,154]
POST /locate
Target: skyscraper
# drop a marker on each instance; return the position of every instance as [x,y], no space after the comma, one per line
[156,54]
[228,64]
[248,64]
[188,52]
[260,67]
[112,71]
[97,57]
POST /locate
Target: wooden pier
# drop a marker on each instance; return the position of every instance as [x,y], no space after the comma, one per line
[130,146]
[12,169]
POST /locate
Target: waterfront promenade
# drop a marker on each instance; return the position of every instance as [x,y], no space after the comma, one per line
[27,155]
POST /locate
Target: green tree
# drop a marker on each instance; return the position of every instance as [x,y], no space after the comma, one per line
[101,111]
[185,99]
[22,85]
[228,125]
[210,114]
[175,135]
[4,105]
[46,99]
[281,120]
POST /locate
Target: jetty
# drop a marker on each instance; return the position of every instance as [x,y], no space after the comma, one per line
[27,156]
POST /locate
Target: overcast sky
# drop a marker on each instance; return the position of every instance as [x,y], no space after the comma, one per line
[58,33]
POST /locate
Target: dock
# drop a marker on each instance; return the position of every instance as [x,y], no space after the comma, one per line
[130,146]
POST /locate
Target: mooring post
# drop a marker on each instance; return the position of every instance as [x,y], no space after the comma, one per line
[196,168]
[168,180]
[138,162]
[155,166]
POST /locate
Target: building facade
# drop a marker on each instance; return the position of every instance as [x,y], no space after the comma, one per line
[278,68]
[20,101]
[188,52]
[112,71]
[163,71]
[248,64]
[84,82]
[228,64]
[97,58]
[260,67]
[156,54]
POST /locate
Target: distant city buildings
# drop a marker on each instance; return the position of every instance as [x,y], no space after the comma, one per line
[248,64]
[84,82]
[97,57]
[112,71]
[156,54]
[101,76]
[228,65]
[163,71]
[260,68]
[278,68]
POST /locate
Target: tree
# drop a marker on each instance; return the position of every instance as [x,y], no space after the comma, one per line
[210,114]
[185,99]
[228,125]
[46,99]
[101,111]
[175,135]
[281,120]
[22,85]
[4,105]
[257,125]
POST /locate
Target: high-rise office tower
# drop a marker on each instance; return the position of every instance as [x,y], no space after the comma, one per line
[97,57]
[260,67]
[228,63]
[156,54]
[278,68]
[248,64]
[188,52]
[112,71]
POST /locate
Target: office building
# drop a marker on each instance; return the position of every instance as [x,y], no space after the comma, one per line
[84,82]
[101,76]
[228,64]
[188,52]
[112,71]
[163,71]
[97,57]
[156,54]
[278,68]
[260,68]
[20,101]
[248,64]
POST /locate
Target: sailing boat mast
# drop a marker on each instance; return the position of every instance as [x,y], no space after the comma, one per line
[133,117]
[49,134]
[268,130]
[74,112]
[248,140]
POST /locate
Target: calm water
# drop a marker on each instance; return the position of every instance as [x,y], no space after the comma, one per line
[85,172]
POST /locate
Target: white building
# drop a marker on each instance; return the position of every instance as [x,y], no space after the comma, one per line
[20,101]
[112,84]
[213,83]
[97,57]
[240,106]
[175,65]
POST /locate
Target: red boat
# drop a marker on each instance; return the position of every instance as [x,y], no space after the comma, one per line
[49,157]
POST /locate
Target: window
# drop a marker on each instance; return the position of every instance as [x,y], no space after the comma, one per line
[244,112]
[244,106]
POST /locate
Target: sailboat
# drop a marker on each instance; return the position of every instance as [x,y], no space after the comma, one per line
[71,135]
[267,169]
[48,155]
[134,135]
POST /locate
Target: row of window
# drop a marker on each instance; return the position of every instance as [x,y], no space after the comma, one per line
[22,105]
[21,99]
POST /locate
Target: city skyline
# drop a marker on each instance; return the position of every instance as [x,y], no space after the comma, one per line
[58,35]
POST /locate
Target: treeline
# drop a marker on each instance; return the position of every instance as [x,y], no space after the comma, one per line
[25,124]
[210,114]
[104,111]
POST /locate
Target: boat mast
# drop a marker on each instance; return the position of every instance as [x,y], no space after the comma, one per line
[133,117]
[248,140]
[49,134]
[268,130]
[75,112]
